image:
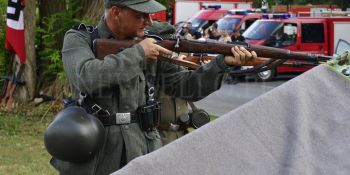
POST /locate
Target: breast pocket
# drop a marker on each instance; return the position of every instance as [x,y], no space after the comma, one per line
[131,93]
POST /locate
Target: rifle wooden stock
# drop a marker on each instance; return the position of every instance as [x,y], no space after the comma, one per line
[103,47]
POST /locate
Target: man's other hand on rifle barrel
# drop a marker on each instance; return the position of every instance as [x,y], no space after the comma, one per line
[240,57]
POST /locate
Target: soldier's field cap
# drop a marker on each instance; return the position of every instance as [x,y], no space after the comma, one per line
[144,6]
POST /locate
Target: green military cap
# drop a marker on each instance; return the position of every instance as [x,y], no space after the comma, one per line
[144,6]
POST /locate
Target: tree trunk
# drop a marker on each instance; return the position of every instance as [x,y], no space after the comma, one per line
[27,91]
[49,7]
[91,9]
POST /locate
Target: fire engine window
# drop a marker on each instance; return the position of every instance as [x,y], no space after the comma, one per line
[228,24]
[248,23]
[284,35]
[261,30]
[289,35]
[312,33]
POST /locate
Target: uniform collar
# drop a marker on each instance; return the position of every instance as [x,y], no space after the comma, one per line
[103,29]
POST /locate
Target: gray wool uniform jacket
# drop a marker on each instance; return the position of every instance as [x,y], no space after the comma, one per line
[117,83]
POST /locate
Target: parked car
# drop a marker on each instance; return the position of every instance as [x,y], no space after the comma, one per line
[317,35]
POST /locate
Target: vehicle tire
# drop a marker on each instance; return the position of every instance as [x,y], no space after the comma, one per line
[266,75]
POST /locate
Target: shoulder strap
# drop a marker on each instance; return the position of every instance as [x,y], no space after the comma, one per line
[92,30]
[84,100]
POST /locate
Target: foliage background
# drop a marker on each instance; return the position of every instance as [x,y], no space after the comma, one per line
[50,29]
[21,131]
[3,62]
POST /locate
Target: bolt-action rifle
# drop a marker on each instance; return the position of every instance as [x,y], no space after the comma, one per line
[202,59]
[277,56]
[7,99]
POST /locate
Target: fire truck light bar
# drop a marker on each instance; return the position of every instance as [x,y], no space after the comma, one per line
[278,16]
[214,7]
[237,12]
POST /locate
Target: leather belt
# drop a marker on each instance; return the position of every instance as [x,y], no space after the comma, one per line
[118,118]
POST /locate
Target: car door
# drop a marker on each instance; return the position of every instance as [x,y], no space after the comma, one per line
[313,38]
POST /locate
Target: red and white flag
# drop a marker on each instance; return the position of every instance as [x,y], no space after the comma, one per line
[15,29]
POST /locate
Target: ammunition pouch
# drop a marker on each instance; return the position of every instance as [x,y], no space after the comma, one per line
[149,116]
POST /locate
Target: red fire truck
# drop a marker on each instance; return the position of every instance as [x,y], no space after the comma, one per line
[318,35]
[226,19]
[238,20]
[204,18]
[183,10]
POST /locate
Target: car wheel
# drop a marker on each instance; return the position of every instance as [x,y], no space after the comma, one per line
[266,75]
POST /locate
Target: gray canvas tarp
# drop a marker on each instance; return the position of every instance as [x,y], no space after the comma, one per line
[301,127]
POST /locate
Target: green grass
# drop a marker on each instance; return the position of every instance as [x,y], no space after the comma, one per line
[22,149]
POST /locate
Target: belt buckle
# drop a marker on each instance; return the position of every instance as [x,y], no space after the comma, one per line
[123,118]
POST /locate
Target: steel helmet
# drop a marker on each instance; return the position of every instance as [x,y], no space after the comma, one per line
[74,135]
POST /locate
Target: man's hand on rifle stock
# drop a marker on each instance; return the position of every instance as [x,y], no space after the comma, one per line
[152,50]
[240,57]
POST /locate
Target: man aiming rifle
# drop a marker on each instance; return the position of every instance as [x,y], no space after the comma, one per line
[121,88]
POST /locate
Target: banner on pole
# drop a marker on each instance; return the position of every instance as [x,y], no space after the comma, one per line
[15,40]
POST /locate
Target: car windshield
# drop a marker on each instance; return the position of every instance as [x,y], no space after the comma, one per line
[261,30]
[198,23]
[228,23]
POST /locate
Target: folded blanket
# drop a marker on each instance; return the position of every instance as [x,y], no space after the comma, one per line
[300,127]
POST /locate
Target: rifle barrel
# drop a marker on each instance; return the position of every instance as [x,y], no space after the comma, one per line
[225,49]
[103,47]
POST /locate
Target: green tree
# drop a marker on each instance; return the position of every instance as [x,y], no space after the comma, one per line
[3,62]
[343,4]
[166,3]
